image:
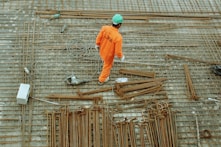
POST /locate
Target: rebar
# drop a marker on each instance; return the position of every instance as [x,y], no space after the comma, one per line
[189,83]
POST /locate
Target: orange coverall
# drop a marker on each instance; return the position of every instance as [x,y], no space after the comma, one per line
[110,42]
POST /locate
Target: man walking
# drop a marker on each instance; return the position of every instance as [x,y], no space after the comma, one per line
[109,42]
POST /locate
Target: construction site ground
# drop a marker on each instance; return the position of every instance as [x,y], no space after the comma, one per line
[162,37]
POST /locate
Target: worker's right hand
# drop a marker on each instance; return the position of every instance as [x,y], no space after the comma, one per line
[122,58]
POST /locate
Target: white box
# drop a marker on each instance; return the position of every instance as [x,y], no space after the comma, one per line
[23,93]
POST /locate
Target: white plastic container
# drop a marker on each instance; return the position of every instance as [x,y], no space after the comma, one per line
[23,93]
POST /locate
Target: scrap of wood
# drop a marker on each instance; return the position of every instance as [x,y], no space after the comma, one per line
[137,73]
[73,97]
[190,59]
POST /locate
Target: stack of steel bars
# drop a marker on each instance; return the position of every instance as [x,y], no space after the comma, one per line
[160,123]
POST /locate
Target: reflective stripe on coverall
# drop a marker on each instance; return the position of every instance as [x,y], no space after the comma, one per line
[110,42]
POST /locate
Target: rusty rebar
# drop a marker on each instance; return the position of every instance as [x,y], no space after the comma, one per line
[137,73]
[189,82]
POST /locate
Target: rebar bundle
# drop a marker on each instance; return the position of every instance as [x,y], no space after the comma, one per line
[84,127]
[160,123]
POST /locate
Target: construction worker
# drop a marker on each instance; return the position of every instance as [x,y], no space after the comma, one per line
[109,44]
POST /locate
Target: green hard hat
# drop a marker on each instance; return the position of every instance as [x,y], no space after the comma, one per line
[117,18]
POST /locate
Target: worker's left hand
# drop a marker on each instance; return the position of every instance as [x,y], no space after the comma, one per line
[97,47]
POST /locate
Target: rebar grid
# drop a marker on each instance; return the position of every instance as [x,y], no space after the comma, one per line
[186,28]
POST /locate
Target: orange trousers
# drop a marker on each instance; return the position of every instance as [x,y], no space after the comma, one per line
[105,71]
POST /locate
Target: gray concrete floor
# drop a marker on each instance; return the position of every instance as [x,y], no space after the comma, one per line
[189,29]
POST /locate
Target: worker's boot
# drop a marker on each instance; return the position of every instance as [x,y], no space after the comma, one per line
[102,83]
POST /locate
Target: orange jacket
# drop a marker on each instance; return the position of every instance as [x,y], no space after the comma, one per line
[110,42]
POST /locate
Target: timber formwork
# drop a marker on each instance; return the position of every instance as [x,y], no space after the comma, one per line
[163,37]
